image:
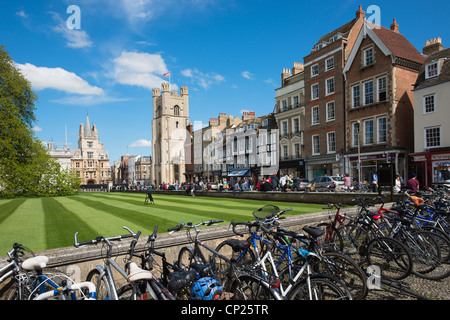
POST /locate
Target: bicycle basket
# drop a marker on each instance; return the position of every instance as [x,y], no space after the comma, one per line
[265,212]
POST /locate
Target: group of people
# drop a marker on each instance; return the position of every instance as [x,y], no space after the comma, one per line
[273,183]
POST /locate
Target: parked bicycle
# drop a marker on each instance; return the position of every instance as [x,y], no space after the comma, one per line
[237,281]
[144,284]
[361,238]
[274,261]
[29,276]
[102,276]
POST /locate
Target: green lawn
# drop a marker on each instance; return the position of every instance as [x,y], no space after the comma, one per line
[46,223]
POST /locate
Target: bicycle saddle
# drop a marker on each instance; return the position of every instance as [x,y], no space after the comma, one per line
[137,273]
[314,231]
[202,269]
[238,245]
[35,263]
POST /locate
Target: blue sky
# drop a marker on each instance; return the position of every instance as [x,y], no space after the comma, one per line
[230,53]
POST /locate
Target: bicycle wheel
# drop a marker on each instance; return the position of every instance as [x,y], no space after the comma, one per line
[186,257]
[318,287]
[345,269]
[102,286]
[390,256]
[431,254]
[248,287]
[135,292]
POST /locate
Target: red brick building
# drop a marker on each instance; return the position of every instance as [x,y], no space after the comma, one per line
[324,134]
[379,76]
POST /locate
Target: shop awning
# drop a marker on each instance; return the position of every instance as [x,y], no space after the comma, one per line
[239,173]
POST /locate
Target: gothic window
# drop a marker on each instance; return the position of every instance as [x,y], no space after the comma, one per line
[176,110]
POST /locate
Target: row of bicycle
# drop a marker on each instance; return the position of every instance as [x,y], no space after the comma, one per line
[342,259]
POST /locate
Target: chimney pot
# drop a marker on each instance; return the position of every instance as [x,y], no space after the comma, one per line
[360,13]
[432,46]
[394,26]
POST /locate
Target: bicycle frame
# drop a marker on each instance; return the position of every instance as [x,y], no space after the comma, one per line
[197,252]
[287,252]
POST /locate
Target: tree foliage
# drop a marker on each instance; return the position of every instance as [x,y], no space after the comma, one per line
[26,168]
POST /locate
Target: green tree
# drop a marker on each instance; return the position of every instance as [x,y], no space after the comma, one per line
[26,168]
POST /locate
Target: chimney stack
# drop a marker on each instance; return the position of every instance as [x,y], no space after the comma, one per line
[394,26]
[298,67]
[360,13]
[432,46]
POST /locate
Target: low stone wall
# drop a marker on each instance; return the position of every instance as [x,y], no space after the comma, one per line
[77,262]
[294,196]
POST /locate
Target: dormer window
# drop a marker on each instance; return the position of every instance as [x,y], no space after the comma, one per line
[431,70]
[320,46]
[335,38]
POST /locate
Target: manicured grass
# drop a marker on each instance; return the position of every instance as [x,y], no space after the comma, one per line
[46,223]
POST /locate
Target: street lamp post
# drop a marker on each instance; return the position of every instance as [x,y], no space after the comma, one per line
[359,153]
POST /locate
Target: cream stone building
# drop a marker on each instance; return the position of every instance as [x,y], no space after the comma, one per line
[90,162]
[431,114]
[289,113]
[169,134]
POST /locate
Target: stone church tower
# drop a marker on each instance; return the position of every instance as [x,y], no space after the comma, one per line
[169,135]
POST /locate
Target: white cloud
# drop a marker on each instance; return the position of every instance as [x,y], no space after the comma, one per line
[88,100]
[247,75]
[140,69]
[37,129]
[141,143]
[75,38]
[57,78]
[22,14]
[204,80]
[271,82]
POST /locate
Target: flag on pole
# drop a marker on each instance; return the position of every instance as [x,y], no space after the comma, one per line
[166,74]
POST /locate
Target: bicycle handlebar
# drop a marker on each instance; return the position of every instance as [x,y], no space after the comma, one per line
[189,225]
[103,239]
[258,224]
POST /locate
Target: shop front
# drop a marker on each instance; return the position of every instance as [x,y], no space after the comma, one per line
[369,162]
[330,166]
[296,168]
[428,166]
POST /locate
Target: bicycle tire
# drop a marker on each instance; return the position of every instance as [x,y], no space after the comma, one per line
[186,257]
[391,256]
[432,262]
[129,292]
[102,286]
[347,270]
[249,287]
[322,287]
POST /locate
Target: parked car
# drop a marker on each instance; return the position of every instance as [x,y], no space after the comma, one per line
[299,184]
[325,183]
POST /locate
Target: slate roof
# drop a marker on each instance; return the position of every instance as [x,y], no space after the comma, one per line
[444,74]
[398,44]
[342,29]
